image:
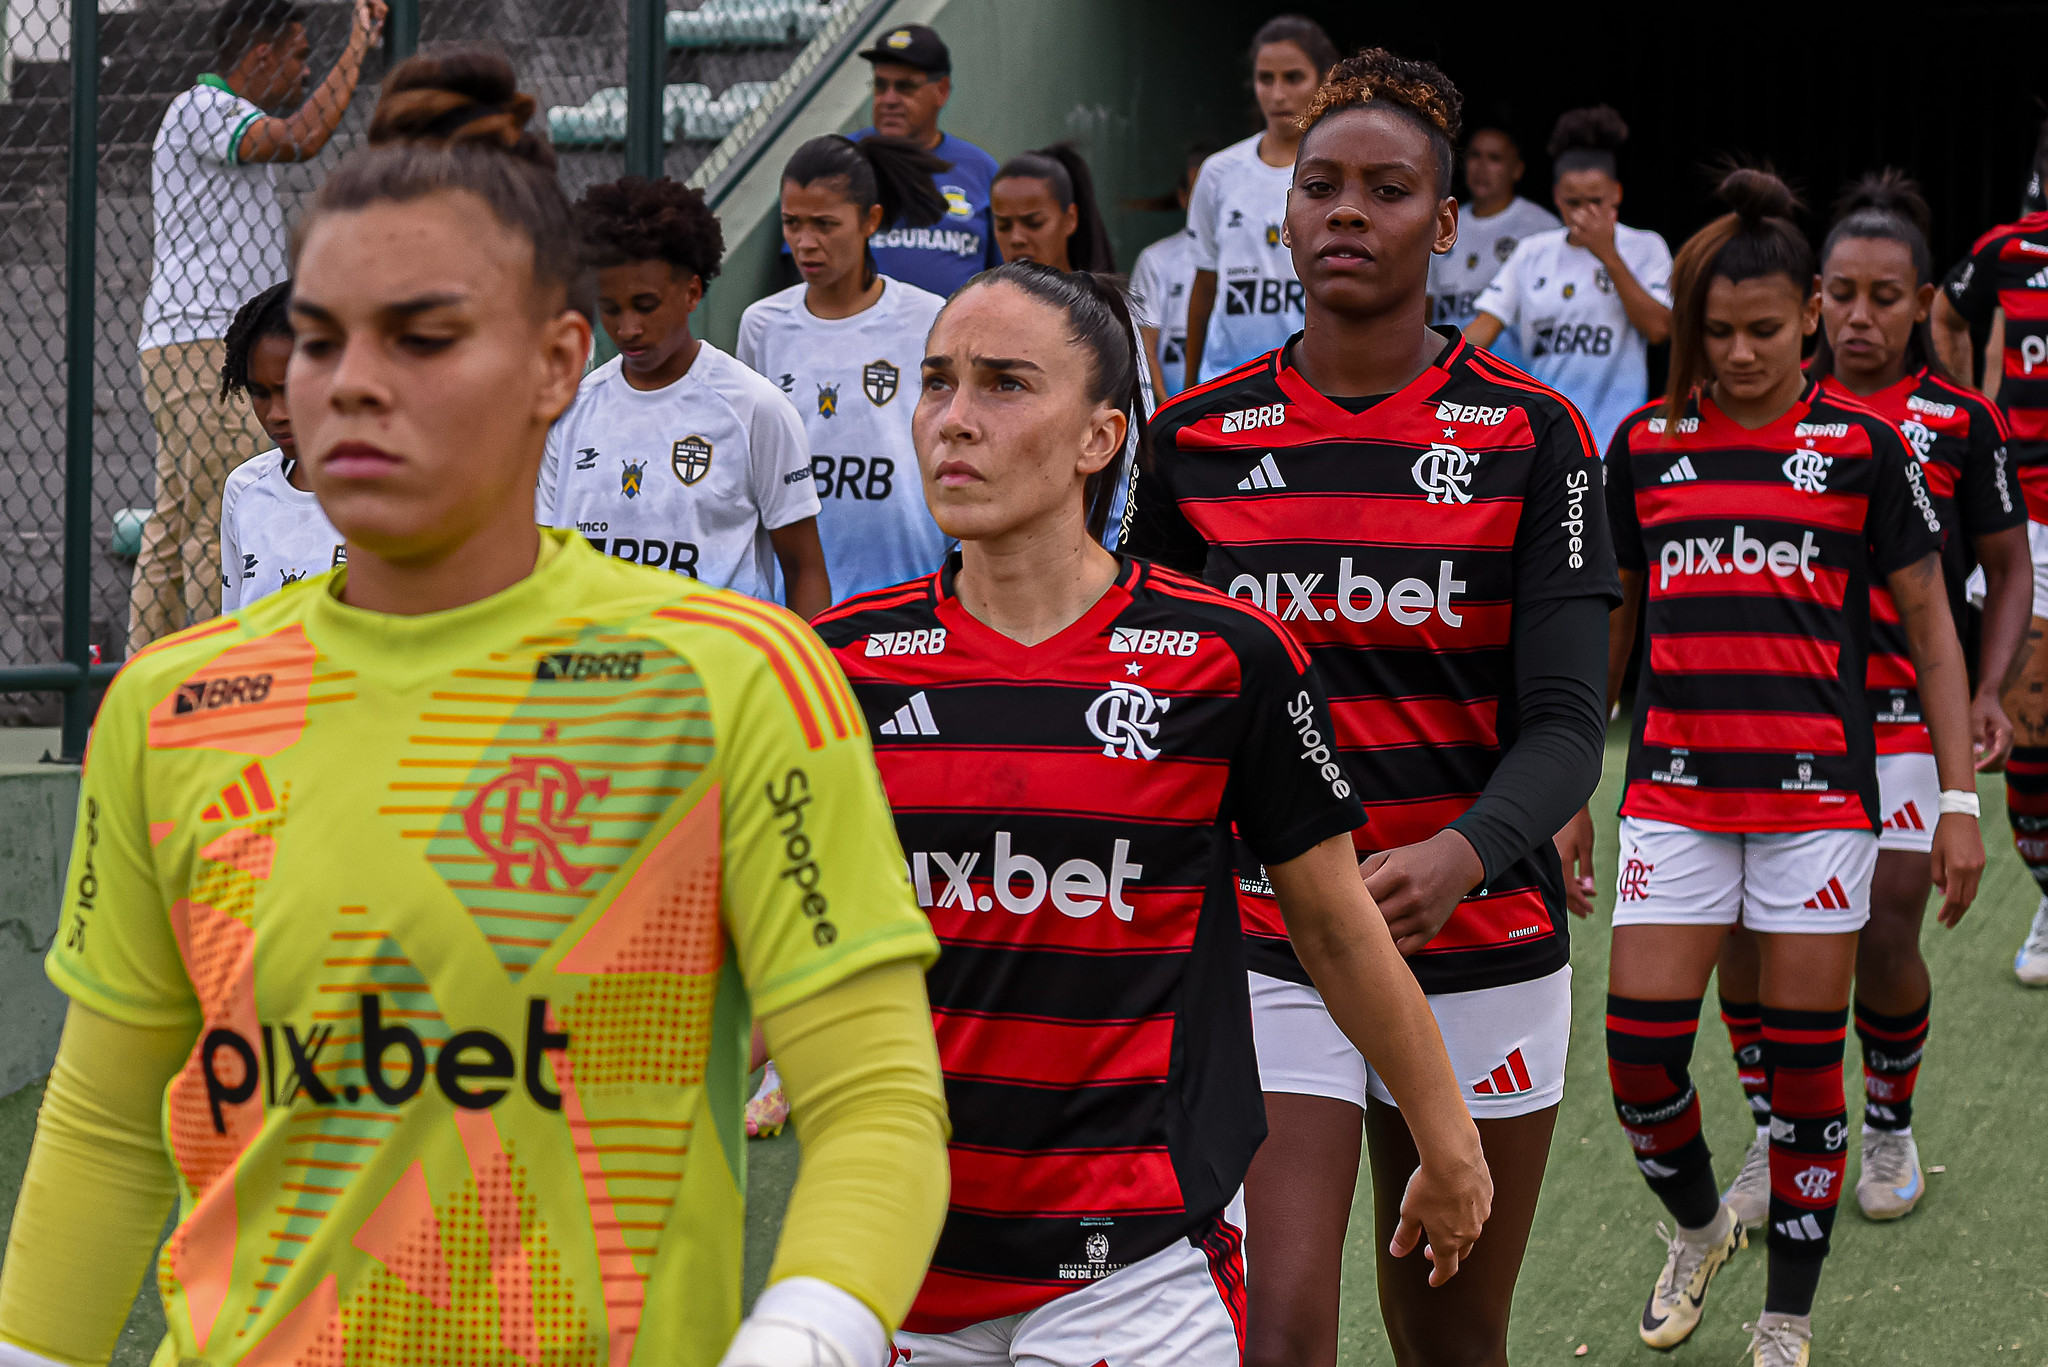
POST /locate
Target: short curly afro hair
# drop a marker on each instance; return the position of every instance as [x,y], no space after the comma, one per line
[637,219]
[1419,90]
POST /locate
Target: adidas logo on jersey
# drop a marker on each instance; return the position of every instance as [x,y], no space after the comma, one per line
[1680,472]
[1906,818]
[914,718]
[928,642]
[1252,419]
[2038,280]
[1833,897]
[1264,475]
[1508,1079]
[249,794]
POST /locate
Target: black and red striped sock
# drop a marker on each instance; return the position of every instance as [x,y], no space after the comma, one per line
[1892,1049]
[1809,1148]
[2026,807]
[1649,1051]
[1745,1022]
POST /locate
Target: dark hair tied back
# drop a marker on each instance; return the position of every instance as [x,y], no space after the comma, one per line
[1065,172]
[1883,206]
[1756,239]
[1588,139]
[455,95]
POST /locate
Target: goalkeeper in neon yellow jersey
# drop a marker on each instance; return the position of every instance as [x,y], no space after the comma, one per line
[417,915]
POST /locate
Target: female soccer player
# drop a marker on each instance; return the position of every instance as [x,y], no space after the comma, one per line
[1159,286]
[1429,525]
[675,455]
[1586,300]
[1491,224]
[272,531]
[1067,738]
[845,345]
[1876,288]
[451,1069]
[1756,510]
[1246,299]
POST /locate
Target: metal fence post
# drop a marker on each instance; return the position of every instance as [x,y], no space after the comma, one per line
[401,32]
[646,70]
[80,278]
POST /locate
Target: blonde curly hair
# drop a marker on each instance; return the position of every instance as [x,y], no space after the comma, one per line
[1418,89]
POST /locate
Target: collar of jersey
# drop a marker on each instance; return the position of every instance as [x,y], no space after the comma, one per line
[1718,426]
[208,78]
[400,652]
[1331,416]
[1892,398]
[1017,657]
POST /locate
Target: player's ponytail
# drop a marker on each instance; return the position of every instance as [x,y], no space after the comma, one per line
[1588,139]
[894,173]
[1884,205]
[1071,185]
[452,118]
[1755,239]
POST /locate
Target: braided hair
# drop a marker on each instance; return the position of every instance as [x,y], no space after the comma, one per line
[1418,91]
[266,315]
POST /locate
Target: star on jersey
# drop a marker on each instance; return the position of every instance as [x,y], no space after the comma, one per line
[1134,669]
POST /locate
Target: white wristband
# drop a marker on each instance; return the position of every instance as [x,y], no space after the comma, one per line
[11,1356]
[1960,802]
[802,1321]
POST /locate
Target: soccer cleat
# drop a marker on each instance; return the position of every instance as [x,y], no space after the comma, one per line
[2031,963]
[1780,1340]
[1673,1310]
[1749,1195]
[1892,1183]
[769,1110]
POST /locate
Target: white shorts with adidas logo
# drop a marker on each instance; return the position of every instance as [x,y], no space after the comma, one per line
[1785,883]
[1507,1044]
[1909,795]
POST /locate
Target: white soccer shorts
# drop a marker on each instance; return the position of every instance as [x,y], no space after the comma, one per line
[1909,795]
[1182,1305]
[1782,883]
[1507,1044]
[2037,541]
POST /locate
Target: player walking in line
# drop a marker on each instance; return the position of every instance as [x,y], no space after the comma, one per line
[1160,282]
[415,916]
[1246,299]
[675,455]
[1877,286]
[1586,300]
[1067,738]
[2002,285]
[1428,522]
[1755,510]
[272,531]
[1490,226]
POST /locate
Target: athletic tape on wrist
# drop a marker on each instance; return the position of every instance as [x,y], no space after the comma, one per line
[1960,802]
[830,1311]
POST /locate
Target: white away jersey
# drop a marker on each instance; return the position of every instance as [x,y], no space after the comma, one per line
[854,382]
[1159,289]
[1571,326]
[1458,278]
[690,478]
[1235,216]
[270,533]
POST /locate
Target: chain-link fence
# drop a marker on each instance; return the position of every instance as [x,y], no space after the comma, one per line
[215,123]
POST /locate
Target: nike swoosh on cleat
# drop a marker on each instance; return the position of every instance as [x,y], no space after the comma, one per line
[1907,1193]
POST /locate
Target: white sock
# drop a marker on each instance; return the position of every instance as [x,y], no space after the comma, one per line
[1763,1133]
[1869,1128]
[1710,1234]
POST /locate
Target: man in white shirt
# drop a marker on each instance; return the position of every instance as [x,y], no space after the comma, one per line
[220,237]
[1491,223]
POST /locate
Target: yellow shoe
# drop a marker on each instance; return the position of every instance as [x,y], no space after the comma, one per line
[1780,1340]
[1673,1310]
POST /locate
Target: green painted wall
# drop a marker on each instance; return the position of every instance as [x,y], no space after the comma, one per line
[1131,82]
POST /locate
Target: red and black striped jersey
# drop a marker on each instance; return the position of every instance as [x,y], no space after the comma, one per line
[1067,810]
[1758,551]
[2008,269]
[1397,543]
[1960,440]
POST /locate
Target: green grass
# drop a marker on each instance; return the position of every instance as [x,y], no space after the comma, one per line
[1963,1279]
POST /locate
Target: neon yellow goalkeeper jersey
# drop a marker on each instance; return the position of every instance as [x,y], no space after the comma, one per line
[472,911]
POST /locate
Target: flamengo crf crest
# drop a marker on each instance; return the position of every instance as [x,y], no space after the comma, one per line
[878,380]
[691,458]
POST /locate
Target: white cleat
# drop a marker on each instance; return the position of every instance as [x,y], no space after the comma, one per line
[1892,1182]
[2031,963]
[1749,1196]
[1780,1340]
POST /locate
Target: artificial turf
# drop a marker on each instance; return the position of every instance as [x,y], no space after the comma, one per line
[1962,1279]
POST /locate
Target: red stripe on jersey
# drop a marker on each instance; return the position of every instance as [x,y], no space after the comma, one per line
[2027,305]
[1481,626]
[874,599]
[1376,723]
[1745,809]
[1765,732]
[809,651]
[1487,364]
[1180,586]
[1911,739]
[1889,671]
[1390,825]
[1138,1181]
[1172,788]
[1827,587]
[2034,481]
[1161,919]
[806,715]
[1484,922]
[1037,1052]
[1697,500]
[1972,402]
[1713,652]
[1883,607]
[1354,520]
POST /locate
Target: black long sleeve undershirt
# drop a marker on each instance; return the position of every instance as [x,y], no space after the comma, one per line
[1552,764]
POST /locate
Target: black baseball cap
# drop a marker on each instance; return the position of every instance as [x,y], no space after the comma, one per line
[915,45]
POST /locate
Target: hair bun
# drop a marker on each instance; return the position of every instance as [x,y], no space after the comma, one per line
[1889,191]
[1599,127]
[451,94]
[1754,193]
